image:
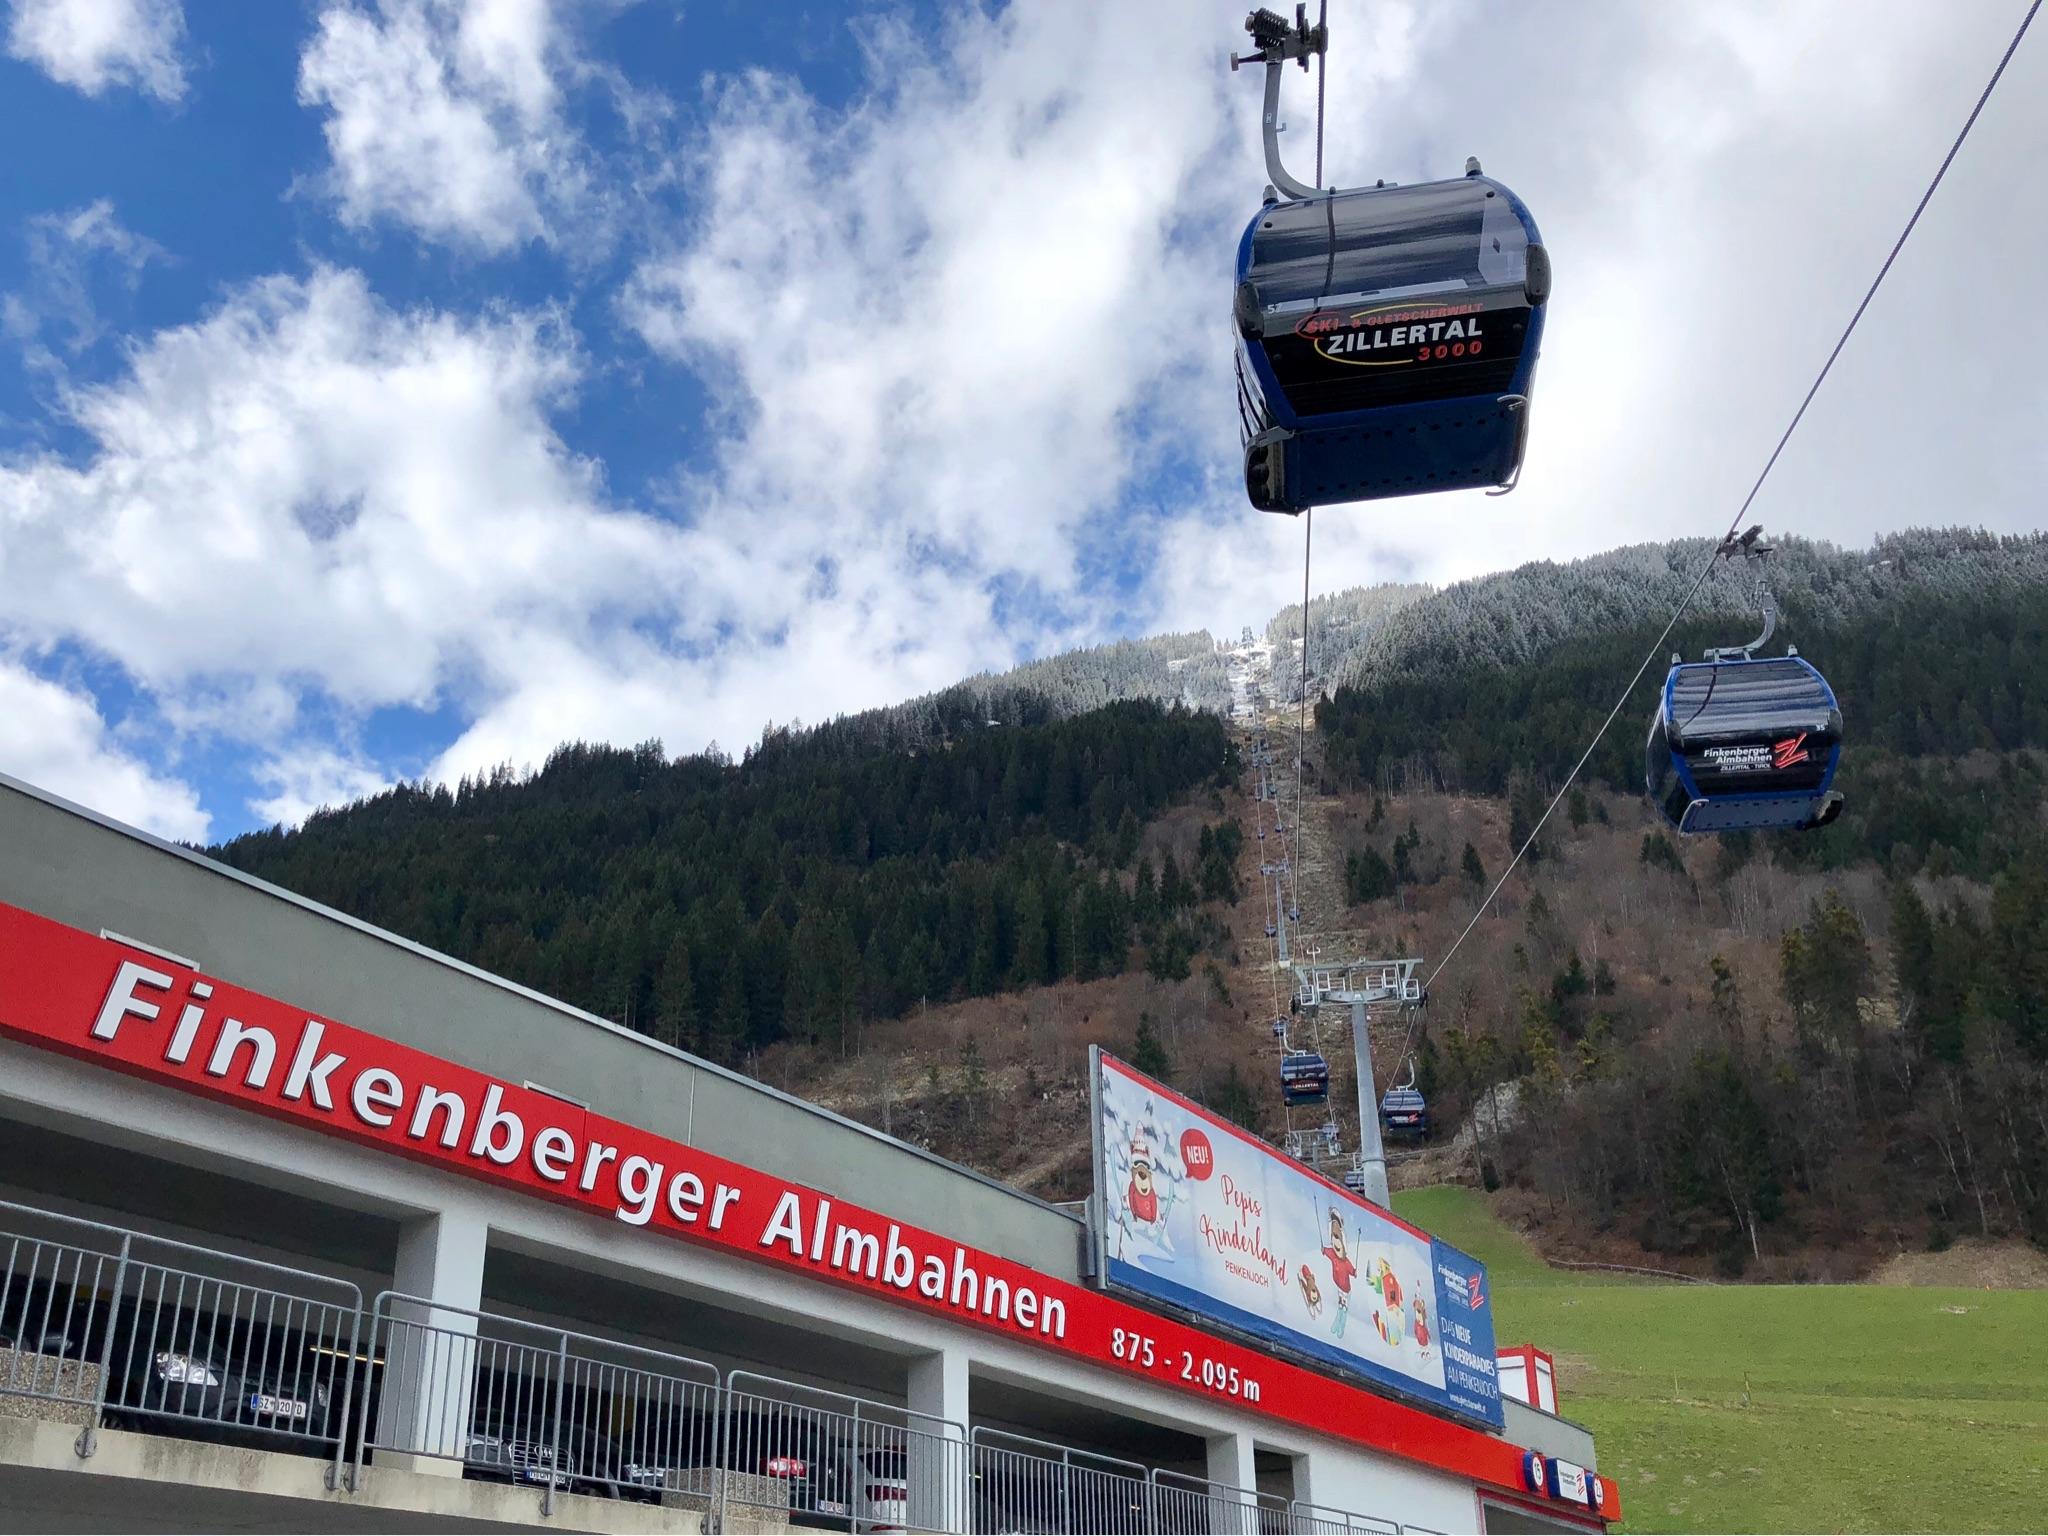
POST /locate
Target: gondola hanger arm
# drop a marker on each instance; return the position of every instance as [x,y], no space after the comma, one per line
[1277,42]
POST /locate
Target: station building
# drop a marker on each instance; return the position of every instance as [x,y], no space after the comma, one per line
[304,1226]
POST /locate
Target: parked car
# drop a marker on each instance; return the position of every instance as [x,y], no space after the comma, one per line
[879,1487]
[194,1372]
[511,1445]
[827,1483]
[167,1376]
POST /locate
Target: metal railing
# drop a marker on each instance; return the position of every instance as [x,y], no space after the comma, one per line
[1321,1520]
[1036,1486]
[97,1321]
[795,1450]
[530,1403]
[1183,1503]
[127,1328]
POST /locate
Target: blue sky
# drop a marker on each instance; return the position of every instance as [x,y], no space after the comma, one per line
[398,387]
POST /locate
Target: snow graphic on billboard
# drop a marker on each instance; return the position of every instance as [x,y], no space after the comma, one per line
[1198,1214]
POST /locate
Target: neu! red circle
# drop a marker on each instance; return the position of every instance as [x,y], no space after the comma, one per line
[1197,1155]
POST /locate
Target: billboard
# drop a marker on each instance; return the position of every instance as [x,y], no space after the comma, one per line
[1194,1212]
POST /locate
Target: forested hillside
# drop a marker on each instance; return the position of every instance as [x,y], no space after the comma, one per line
[1777,1054]
[815,884]
[1693,1055]
[1936,642]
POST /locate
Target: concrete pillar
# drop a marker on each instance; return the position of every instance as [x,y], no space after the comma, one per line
[1304,1477]
[429,1352]
[939,1473]
[1235,1476]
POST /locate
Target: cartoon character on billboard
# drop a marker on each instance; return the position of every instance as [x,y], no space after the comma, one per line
[1388,1316]
[1311,1293]
[1422,1326]
[1342,1272]
[1341,1268]
[1142,1198]
[1146,1179]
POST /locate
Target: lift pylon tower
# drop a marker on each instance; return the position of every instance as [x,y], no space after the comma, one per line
[1365,985]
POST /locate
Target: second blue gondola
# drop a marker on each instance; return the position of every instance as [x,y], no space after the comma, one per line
[1745,744]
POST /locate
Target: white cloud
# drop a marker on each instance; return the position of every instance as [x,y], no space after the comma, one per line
[445,116]
[951,319]
[93,44]
[310,492]
[66,251]
[308,486]
[305,779]
[55,739]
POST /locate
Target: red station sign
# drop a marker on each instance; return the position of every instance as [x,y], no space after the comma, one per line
[103,1001]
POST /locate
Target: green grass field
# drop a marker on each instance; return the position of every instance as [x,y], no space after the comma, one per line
[1783,1408]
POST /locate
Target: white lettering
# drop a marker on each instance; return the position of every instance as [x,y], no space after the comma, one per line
[963,1277]
[1027,1306]
[492,1119]
[1052,1317]
[306,1072]
[375,1091]
[818,1232]
[727,1196]
[898,1275]
[995,1298]
[639,1189]
[262,1052]
[931,1280]
[594,1158]
[184,1036]
[122,1002]
[686,1197]
[863,1248]
[786,1225]
[452,1108]
[554,1154]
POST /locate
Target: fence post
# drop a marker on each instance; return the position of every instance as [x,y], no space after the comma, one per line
[858,1471]
[355,1476]
[89,1437]
[714,1502]
[1066,1489]
[348,1394]
[555,1467]
[720,1473]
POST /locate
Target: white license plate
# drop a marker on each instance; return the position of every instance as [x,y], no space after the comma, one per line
[276,1407]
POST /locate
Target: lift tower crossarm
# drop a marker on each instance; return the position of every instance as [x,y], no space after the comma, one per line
[1364,984]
